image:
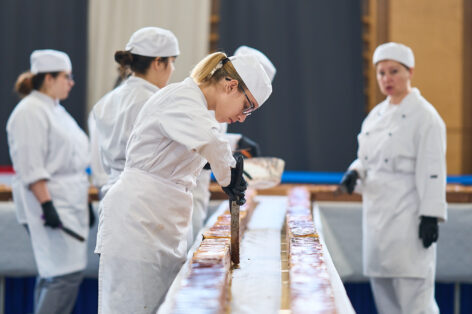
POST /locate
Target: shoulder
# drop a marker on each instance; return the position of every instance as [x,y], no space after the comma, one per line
[28,111]
[427,112]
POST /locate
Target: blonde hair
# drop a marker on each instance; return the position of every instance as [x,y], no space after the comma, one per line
[213,68]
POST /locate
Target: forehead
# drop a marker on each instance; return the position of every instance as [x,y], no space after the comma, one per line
[388,64]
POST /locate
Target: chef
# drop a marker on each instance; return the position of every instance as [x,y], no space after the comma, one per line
[150,55]
[147,212]
[401,172]
[50,152]
[201,193]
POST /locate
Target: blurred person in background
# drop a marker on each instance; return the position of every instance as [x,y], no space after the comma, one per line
[50,154]
[400,171]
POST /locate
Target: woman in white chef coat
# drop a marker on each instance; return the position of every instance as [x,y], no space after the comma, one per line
[201,192]
[143,238]
[149,54]
[49,152]
[401,172]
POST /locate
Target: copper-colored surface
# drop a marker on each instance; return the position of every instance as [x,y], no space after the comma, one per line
[455,193]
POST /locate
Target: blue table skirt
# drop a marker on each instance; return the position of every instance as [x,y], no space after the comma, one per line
[19,297]
[306,177]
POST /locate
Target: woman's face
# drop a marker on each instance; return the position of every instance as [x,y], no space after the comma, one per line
[165,71]
[59,87]
[233,104]
[393,78]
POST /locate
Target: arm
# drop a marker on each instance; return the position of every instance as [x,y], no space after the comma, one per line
[430,174]
[40,191]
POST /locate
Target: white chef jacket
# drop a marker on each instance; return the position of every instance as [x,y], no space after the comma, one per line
[47,144]
[201,192]
[113,118]
[142,235]
[401,161]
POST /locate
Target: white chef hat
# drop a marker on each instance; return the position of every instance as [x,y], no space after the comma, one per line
[396,52]
[153,42]
[265,62]
[48,60]
[254,76]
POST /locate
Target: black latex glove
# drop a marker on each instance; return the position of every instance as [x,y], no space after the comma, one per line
[429,230]
[249,145]
[348,182]
[51,218]
[91,215]
[235,190]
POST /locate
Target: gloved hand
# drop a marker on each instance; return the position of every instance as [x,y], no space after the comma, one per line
[235,190]
[348,182]
[429,230]
[249,145]
[91,215]
[51,217]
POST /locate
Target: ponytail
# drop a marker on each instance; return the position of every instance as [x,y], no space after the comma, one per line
[24,84]
[215,67]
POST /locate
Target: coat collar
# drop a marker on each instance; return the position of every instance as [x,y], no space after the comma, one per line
[45,98]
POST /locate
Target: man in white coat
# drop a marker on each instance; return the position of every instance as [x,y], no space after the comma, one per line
[401,172]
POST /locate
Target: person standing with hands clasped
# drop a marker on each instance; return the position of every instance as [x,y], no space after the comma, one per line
[50,153]
[147,212]
[401,172]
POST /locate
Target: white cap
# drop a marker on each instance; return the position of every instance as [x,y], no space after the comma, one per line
[48,60]
[254,76]
[153,42]
[265,62]
[396,52]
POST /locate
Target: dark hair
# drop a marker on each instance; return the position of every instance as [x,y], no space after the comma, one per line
[27,81]
[137,63]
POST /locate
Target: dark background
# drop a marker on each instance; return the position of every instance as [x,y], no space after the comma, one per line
[317,106]
[314,114]
[27,25]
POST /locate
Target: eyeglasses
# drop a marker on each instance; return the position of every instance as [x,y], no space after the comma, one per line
[250,110]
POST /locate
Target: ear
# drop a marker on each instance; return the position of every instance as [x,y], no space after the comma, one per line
[156,64]
[231,84]
[412,70]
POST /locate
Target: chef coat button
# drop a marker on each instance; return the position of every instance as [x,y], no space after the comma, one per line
[365,157]
[366,133]
[403,116]
[389,133]
[386,159]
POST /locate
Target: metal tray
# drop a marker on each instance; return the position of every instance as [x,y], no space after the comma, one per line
[266,172]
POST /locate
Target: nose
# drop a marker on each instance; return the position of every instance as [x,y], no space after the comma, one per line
[241,118]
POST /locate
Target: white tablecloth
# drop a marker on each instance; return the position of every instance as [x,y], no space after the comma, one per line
[342,229]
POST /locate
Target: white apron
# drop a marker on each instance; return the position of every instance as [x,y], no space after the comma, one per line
[142,239]
[402,167]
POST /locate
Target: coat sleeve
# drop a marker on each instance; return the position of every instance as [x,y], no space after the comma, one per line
[431,169]
[27,133]
[192,126]
[99,175]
